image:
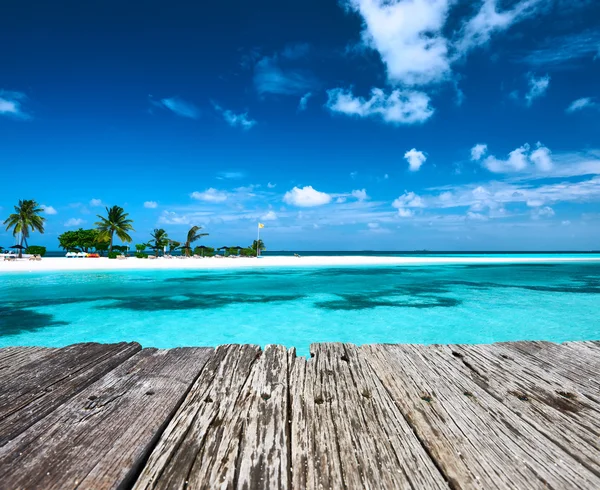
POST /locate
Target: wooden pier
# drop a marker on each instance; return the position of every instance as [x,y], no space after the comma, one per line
[512,415]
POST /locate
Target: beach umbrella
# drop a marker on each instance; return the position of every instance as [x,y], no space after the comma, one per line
[203,248]
[19,246]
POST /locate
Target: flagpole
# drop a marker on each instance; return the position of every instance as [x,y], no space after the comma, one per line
[257,239]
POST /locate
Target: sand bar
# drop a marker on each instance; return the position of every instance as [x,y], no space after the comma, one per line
[131,263]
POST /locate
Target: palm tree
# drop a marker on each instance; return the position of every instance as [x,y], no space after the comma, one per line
[192,236]
[160,240]
[26,218]
[115,222]
[258,245]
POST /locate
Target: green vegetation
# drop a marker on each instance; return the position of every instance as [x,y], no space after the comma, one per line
[82,241]
[173,245]
[36,250]
[257,246]
[24,220]
[113,255]
[141,255]
[140,247]
[204,252]
[160,240]
[116,222]
[192,237]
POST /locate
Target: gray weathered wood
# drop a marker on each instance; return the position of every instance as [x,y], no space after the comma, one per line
[231,431]
[14,358]
[549,403]
[48,380]
[346,429]
[476,441]
[102,435]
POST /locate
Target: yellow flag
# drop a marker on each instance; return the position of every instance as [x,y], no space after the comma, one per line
[260,225]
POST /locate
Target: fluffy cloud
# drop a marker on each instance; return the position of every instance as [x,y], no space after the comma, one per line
[415,159]
[409,200]
[271,186]
[269,216]
[74,222]
[209,195]
[49,209]
[543,212]
[304,101]
[306,197]
[361,194]
[96,203]
[478,151]
[172,218]
[537,88]
[399,107]
[11,104]
[151,204]
[580,104]
[236,120]
[178,106]
[520,160]
[409,35]
[478,29]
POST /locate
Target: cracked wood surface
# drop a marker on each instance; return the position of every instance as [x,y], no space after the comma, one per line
[508,415]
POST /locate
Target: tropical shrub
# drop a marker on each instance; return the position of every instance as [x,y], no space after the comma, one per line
[206,252]
[140,247]
[248,252]
[82,240]
[141,255]
[36,250]
[113,255]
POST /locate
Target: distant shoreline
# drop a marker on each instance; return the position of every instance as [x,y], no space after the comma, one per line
[98,264]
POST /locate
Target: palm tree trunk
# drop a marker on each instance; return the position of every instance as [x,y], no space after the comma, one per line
[20,249]
[111,241]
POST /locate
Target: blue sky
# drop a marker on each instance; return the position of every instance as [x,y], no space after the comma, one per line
[358,124]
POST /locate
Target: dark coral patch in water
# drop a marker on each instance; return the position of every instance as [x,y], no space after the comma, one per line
[14,321]
[363,302]
[192,301]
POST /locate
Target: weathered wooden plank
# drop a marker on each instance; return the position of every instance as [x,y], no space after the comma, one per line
[14,358]
[475,440]
[549,403]
[582,370]
[347,431]
[30,393]
[200,446]
[100,437]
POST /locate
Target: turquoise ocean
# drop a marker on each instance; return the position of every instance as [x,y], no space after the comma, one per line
[470,303]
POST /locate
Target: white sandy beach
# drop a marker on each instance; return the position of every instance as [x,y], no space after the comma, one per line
[131,263]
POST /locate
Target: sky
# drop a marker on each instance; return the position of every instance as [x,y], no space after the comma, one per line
[340,125]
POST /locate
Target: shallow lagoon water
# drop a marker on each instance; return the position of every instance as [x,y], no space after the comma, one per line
[475,303]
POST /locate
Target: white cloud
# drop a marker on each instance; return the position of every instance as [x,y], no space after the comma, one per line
[521,160]
[566,51]
[236,120]
[151,204]
[269,216]
[373,226]
[478,151]
[409,200]
[408,36]
[543,212]
[271,186]
[541,158]
[172,218]
[405,213]
[49,209]
[209,195]
[583,103]
[306,197]
[96,203]
[11,104]
[74,222]
[304,101]
[415,159]
[478,30]
[178,106]
[341,200]
[361,194]
[537,88]
[399,107]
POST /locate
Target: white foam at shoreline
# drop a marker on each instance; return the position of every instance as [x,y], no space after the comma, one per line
[64,264]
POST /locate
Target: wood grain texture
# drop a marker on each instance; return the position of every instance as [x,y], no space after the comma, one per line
[48,378]
[231,430]
[476,441]
[14,358]
[100,437]
[347,431]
